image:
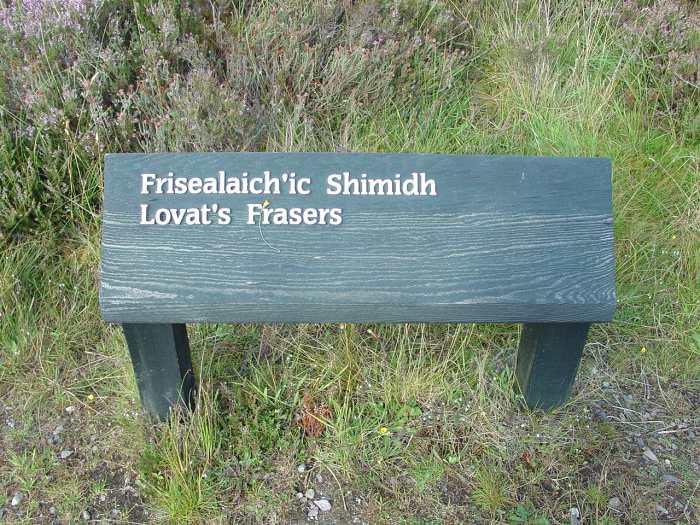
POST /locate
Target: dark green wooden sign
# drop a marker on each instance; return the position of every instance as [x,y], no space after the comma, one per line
[356,237]
[322,237]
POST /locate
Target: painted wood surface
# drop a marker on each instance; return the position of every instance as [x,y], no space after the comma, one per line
[160,354]
[506,239]
[548,359]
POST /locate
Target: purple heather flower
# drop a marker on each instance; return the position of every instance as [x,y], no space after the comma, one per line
[30,17]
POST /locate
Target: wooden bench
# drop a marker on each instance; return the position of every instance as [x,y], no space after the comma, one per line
[375,238]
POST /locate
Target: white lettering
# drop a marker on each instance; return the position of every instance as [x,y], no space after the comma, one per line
[253,212]
[144,215]
[147,181]
[417,184]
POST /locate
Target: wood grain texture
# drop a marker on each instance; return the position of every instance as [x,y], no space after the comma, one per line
[507,239]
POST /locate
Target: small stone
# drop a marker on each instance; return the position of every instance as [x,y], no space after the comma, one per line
[301,468]
[313,512]
[667,462]
[650,456]
[17,499]
[606,384]
[52,510]
[3,511]
[600,414]
[669,478]
[114,513]
[58,429]
[548,485]
[627,400]
[575,516]
[310,493]
[70,409]
[65,454]
[319,478]
[300,495]
[614,503]
[85,515]
[661,510]
[323,504]
[54,439]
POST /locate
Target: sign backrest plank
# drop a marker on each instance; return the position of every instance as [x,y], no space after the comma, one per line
[355,237]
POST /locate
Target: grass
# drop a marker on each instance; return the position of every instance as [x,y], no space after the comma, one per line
[403,423]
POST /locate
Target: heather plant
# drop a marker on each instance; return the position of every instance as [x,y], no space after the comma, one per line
[183,76]
[666,39]
[44,160]
[37,18]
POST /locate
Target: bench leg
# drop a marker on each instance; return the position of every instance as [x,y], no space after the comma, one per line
[548,358]
[160,354]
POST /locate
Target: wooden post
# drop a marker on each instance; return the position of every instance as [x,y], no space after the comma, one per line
[160,354]
[548,358]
